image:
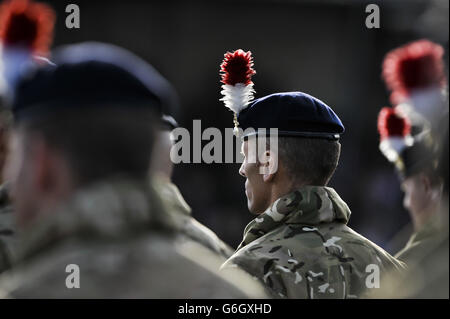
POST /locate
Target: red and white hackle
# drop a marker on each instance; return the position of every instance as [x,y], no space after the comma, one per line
[237,89]
[415,75]
[395,133]
[26,30]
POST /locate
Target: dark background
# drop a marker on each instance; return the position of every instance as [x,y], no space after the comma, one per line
[319,47]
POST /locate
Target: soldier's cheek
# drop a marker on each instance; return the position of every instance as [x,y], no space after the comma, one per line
[248,194]
[406,202]
[247,189]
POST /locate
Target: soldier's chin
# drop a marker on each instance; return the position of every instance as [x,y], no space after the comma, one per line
[253,210]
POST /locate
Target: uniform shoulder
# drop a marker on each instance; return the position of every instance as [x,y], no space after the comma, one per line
[371,250]
[176,206]
[298,261]
[198,231]
[147,267]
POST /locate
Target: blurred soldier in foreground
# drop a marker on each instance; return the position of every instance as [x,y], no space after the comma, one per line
[415,74]
[15,35]
[90,225]
[299,244]
[161,169]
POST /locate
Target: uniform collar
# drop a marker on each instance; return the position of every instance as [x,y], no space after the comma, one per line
[308,205]
[431,228]
[170,195]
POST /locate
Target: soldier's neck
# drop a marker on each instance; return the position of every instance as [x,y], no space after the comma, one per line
[283,187]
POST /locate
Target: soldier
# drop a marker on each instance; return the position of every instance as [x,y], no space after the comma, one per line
[89,224]
[415,160]
[415,74]
[161,168]
[299,244]
[14,36]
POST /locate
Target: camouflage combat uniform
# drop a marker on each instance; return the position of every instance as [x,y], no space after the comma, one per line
[420,243]
[6,229]
[175,204]
[300,247]
[124,246]
[427,257]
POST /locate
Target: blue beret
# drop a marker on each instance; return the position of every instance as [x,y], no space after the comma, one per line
[92,75]
[293,114]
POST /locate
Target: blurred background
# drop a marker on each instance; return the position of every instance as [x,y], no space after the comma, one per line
[320,47]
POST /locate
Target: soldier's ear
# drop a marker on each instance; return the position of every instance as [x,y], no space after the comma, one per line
[434,192]
[425,182]
[268,165]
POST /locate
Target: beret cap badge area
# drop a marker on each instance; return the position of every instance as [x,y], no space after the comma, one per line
[294,114]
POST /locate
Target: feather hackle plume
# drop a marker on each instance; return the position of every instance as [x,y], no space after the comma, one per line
[415,66]
[236,77]
[414,73]
[395,133]
[26,30]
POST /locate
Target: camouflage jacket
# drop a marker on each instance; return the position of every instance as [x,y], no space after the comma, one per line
[426,277]
[6,229]
[122,245]
[300,247]
[420,243]
[427,257]
[180,211]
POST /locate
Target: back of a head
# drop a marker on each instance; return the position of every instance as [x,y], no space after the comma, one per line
[97,107]
[309,161]
[98,144]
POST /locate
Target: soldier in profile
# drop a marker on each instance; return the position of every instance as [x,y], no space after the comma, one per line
[299,244]
[414,137]
[415,158]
